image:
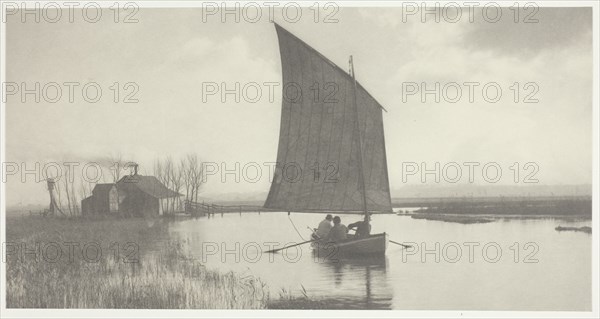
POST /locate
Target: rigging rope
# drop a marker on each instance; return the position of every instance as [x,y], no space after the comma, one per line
[291,221]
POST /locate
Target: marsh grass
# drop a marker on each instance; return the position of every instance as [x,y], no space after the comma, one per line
[166,280]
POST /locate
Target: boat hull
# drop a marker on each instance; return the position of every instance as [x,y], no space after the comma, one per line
[373,245]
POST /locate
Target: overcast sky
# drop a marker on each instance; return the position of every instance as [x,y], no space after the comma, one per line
[169,53]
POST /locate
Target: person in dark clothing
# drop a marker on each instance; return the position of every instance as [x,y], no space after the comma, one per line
[362,228]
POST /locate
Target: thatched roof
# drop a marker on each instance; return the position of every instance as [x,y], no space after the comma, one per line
[147,184]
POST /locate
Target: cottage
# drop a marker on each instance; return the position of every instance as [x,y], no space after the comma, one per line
[142,195]
[132,195]
[104,199]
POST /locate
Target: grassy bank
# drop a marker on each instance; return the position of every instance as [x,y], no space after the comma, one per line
[121,276]
[569,207]
[584,229]
[452,218]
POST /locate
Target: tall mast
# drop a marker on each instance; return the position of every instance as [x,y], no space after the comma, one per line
[361,176]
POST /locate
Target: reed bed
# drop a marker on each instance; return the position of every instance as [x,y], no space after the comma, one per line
[164,280]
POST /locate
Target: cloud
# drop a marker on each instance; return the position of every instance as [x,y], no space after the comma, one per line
[555,28]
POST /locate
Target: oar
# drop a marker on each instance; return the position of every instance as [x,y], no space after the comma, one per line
[397,243]
[290,246]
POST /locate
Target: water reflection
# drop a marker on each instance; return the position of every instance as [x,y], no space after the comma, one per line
[559,280]
[376,294]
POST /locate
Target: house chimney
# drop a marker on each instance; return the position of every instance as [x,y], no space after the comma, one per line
[135,168]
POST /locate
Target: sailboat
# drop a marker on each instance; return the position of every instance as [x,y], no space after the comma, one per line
[331,156]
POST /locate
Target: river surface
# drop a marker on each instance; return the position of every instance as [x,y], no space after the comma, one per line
[508,264]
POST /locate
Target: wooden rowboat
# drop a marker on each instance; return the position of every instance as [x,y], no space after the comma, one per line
[375,244]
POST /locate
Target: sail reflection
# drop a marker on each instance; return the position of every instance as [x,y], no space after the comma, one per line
[363,280]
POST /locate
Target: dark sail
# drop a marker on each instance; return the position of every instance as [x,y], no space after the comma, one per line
[317,159]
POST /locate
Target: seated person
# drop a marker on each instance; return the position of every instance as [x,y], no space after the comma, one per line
[339,231]
[363,228]
[324,228]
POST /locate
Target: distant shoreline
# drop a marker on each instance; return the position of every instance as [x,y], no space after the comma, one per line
[563,206]
[516,206]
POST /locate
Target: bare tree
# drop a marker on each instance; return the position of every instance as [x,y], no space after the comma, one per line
[67,190]
[187,178]
[85,190]
[186,174]
[158,172]
[177,177]
[169,172]
[74,199]
[163,170]
[195,175]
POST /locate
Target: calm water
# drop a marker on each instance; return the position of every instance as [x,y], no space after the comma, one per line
[557,276]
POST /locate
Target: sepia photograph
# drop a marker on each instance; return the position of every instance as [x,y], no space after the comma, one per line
[292,159]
